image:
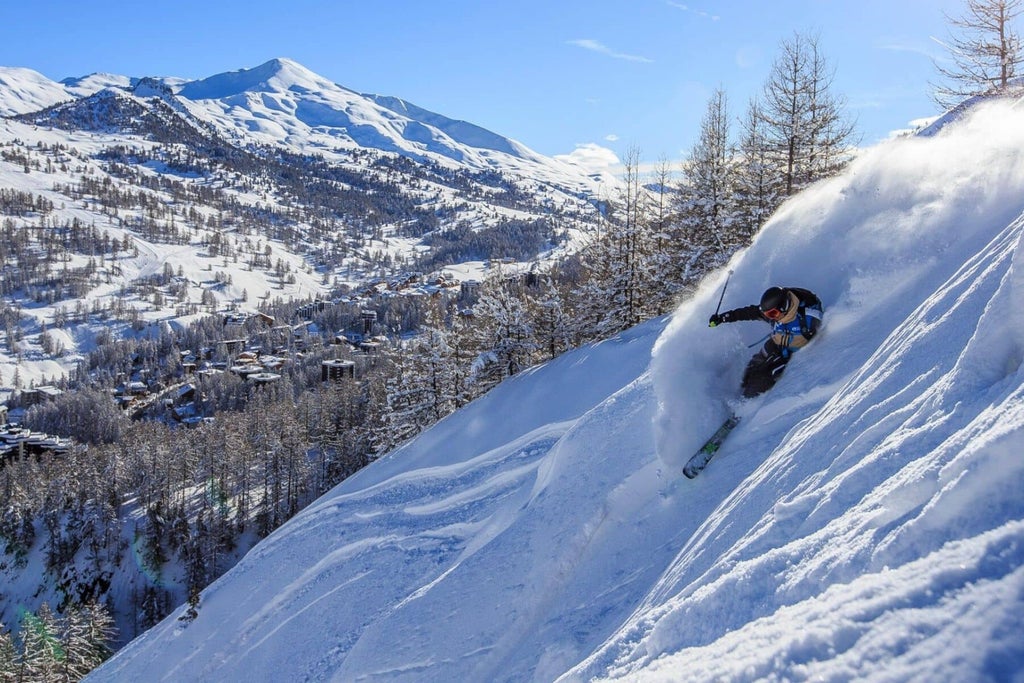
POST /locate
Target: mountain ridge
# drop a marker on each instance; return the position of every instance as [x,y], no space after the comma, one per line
[283,102]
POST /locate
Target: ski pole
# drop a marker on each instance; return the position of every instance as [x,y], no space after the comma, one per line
[719,306]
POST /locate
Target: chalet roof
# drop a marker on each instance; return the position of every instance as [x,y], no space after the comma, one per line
[46,390]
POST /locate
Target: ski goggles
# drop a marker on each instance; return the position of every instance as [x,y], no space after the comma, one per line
[773,313]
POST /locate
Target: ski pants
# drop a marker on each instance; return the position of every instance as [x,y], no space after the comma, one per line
[764,369]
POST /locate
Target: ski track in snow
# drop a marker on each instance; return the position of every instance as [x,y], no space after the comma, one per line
[863,522]
[881,502]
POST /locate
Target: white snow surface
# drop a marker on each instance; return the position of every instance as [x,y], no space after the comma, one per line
[283,102]
[865,521]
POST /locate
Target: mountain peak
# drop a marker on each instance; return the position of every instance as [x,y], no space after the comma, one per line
[283,102]
[277,75]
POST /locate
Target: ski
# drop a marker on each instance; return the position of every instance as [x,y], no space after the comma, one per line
[702,457]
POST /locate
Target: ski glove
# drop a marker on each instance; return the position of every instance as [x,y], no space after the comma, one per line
[715,320]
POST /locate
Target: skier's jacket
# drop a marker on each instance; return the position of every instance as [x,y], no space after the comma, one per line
[793,330]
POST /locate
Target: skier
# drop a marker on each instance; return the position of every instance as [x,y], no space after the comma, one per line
[795,315]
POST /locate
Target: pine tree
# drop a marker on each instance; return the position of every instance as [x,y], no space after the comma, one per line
[41,648]
[398,420]
[591,298]
[633,269]
[551,323]
[667,258]
[758,189]
[432,353]
[504,338]
[423,387]
[8,657]
[706,192]
[619,267]
[86,635]
[986,55]
[463,354]
[805,130]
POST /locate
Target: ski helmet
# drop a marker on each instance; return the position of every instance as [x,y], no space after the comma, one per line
[775,300]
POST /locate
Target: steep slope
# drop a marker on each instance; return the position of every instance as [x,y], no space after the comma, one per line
[880,535]
[864,521]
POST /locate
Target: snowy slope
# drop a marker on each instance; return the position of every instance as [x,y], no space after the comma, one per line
[277,103]
[283,102]
[864,521]
[24,90]
[192,261]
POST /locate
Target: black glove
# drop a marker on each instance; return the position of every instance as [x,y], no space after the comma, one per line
[715,320]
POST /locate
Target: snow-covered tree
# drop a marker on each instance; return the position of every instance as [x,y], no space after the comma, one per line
[667,259]
[463,354]
[86,634]
[758,189]
[618,263]
[706,192]
[41,648]
[424,386]
[504,337]
[432,354]
[552,325]
[8,657]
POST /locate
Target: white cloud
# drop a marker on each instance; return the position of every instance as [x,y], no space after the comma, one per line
[686,8]
[592,157]
[912,47]
[601,48]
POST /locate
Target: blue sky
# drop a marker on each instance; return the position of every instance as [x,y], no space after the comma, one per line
[553,74]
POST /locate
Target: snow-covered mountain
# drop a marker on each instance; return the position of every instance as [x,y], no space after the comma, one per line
[281,102]
[254,185]
[863,522]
